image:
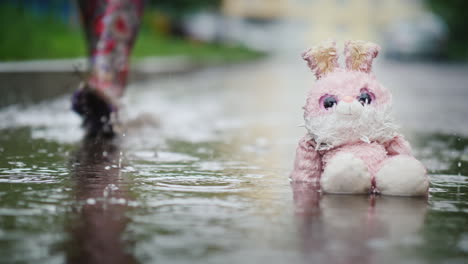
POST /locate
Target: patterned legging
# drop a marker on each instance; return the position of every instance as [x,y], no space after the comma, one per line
[111,27]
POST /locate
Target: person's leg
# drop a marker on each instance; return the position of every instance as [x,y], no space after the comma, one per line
[111,27]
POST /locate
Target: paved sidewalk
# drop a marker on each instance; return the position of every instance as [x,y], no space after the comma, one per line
[33,81]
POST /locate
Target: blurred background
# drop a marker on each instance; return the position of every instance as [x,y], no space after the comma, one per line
[44,38]
[212,114]
[230,29]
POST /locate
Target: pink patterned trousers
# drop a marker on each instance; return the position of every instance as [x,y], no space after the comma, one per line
[111,27]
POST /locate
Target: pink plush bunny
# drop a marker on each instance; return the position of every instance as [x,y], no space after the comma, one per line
[352,144]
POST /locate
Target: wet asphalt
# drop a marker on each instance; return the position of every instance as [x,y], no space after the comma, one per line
[199,174]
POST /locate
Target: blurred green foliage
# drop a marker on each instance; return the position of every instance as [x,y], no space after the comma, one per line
[26,36]
[454,13]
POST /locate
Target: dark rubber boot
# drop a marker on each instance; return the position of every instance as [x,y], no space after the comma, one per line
[96,111]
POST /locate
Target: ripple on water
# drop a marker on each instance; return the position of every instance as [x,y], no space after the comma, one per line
[194,176]
[30,178]
[449,180]
[161,156]
[200,187]
[448,193]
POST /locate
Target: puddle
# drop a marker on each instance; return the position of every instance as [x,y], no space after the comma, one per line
[200,176]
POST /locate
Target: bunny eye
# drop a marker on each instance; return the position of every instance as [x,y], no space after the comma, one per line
[366,97]
[329,101]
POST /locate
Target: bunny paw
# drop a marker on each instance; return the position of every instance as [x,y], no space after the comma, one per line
[402,175]
[345,173]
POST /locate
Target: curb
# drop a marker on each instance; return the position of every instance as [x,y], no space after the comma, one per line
[33,81]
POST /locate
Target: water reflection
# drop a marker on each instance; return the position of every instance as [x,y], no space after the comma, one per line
[101,197]
[355,228]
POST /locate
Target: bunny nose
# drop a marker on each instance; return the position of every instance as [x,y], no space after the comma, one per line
[348,99]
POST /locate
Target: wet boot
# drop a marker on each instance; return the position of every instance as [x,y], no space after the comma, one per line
[98,113]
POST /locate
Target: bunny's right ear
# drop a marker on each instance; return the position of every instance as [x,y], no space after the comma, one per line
[360,55]
[322,58]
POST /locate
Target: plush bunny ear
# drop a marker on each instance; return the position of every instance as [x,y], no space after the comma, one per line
[322,58]
[360,54]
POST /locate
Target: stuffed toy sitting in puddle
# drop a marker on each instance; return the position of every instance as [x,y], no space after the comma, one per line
[352,144]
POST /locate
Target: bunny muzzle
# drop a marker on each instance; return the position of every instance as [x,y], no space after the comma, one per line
[349,108]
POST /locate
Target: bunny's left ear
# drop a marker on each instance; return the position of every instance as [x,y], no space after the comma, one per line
[322,59]
[360,54]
